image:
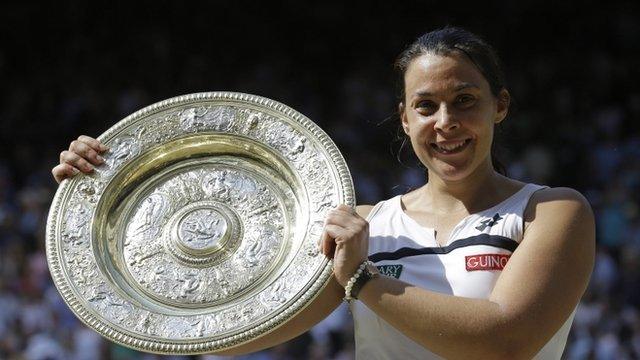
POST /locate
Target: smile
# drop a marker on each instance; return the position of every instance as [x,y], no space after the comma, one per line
[451,148]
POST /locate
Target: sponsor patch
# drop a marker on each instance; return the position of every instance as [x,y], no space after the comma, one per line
[489,222]
[486,261]
[390,270]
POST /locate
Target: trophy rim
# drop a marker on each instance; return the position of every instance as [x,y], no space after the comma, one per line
[191,346]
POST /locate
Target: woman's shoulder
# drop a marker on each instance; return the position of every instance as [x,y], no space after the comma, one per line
[563,195]
[557,204]
[365,210]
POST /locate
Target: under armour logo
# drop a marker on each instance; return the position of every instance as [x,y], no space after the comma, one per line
[489,222]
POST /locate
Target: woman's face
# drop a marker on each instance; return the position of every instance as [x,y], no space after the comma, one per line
[449,113]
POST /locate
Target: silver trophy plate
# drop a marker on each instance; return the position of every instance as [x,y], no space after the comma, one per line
[200,231]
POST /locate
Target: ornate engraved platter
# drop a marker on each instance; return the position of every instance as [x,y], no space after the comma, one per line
[200,231]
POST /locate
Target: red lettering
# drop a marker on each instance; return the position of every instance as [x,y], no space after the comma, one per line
[486,261]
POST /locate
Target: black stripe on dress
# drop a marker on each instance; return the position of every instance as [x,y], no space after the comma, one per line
[481,239]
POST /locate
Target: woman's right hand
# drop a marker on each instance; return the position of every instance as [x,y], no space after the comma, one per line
[83,155]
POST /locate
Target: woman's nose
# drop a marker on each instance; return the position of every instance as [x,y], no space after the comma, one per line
[446,121]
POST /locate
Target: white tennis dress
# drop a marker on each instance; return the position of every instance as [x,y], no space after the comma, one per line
[468,265]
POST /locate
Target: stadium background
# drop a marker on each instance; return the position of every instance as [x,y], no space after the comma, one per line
[71,68]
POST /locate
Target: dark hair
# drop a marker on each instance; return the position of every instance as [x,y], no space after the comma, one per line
[453,39]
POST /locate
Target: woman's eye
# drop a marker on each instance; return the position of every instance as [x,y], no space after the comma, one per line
[465,100]
[425,105]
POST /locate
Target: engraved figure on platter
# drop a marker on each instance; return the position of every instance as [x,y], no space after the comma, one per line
[82,269]
[152,211]
[139,254]
[88,189]
[312,249]
[199,327]
[189,284]
[261,202]
[220,118]
[75,224]
[247,313]
[252,122]
[286,139]
[295,145]
[274,294]
[158,273]
[221,280]
[124,146]
[102,293]
[246,187]
[325,202]
[164,129]
[202,227]
[147,323]
[215,321]
[252,255]
[312,167]
[215,184]
[191,118]
[121,148]
[187,187]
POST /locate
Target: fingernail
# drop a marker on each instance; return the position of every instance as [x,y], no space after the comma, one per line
[103,147]
[75,171]
[100,158]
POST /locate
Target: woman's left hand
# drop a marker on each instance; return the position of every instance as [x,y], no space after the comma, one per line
[346,240]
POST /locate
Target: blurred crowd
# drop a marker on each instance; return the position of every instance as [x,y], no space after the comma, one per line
[574,123]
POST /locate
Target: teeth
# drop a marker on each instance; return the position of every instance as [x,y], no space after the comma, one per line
[452,146]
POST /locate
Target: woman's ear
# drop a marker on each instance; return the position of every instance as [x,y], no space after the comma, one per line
[504,99]
[403,118]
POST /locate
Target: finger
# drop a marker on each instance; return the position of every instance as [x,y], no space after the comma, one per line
[86,151]
[95,144]
[347,208]
[338,233]
[339,219]
[329,238]
[326,245]
[63,171]
[73,159]
[345,219]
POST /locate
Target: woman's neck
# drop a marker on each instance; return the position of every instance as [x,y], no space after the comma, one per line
[478,191]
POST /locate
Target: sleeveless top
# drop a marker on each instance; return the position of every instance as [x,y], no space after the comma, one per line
[468,265]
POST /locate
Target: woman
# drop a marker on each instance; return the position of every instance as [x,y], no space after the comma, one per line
[475,264]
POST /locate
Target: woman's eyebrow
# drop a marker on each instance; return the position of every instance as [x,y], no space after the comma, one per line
[457,88]
[465,86]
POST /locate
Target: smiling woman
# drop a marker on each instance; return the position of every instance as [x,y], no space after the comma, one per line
[472,263]
[449,113]
[459,92]
[480,260]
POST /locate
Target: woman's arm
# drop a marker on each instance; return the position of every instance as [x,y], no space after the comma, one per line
[323,305]
[536,292]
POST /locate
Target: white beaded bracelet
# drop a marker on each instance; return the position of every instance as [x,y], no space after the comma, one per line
[349,286]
